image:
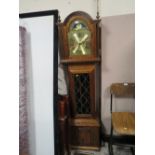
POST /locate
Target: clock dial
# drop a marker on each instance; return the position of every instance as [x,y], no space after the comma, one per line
[79,38]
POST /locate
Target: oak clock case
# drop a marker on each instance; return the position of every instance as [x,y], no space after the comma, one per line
[79,51]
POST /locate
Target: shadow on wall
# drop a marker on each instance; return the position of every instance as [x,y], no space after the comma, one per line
[118,59]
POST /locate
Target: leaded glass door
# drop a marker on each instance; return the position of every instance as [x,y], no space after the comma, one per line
[82,90]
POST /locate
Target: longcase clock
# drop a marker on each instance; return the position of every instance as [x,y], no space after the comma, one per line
[79,37]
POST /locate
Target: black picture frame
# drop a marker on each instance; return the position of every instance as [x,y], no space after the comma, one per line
[53,13]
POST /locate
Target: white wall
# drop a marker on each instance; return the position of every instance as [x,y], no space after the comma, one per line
[106,7]
[39,55]
[118,60]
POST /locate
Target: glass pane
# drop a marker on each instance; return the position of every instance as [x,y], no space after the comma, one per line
[79,38]
[82,95]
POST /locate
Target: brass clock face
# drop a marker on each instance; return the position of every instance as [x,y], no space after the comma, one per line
[79,39]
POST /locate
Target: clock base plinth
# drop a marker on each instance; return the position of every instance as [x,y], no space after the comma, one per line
[88,148]
[85,134]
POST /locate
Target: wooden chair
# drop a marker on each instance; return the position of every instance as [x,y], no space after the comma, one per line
[122,123]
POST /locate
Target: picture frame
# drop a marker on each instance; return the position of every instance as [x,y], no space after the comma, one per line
[30,20]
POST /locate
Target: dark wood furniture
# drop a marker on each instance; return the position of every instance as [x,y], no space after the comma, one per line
[63,125]
[80,55]
[122,123]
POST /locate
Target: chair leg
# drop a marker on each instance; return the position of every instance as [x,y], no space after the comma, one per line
[133,150]
[110,142]
[110,149]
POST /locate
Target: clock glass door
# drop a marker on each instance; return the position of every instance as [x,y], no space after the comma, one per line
[82,90]
[82,93]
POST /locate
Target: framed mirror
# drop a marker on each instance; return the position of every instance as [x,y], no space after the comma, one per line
[41,66]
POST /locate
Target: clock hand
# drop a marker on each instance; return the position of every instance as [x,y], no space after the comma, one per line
[76,48]
[84,38]
[76,38]
[80,43]
[82,49]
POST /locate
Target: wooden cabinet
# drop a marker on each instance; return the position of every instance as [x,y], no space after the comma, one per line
[63,125]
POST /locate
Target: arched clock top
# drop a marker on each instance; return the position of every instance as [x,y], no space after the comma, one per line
[78,38]
[80,15]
